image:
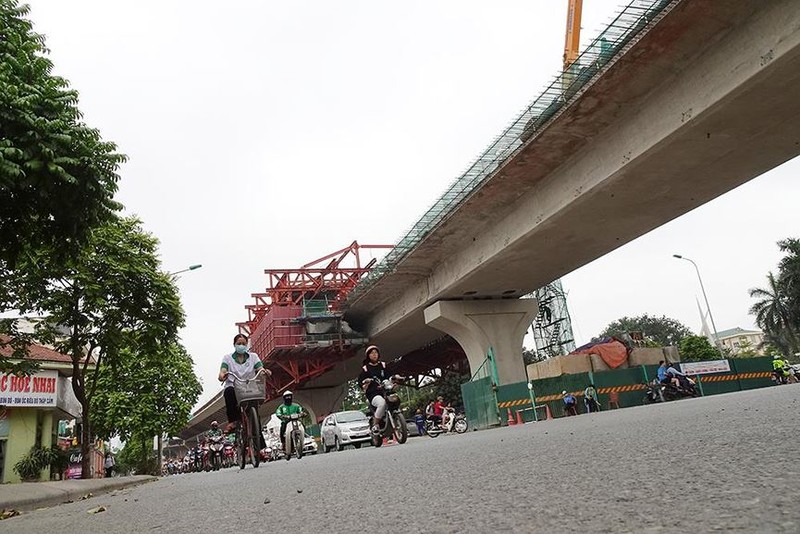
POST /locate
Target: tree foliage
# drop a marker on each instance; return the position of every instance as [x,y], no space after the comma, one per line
[145,392]
[57,175]
[777,310]
[663,331]
[697,349]
[137,456]
[110,292]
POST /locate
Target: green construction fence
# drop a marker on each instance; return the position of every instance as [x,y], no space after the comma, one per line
[487,405]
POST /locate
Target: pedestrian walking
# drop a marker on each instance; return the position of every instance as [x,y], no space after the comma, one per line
[419,419]
[109,465]
[590,399]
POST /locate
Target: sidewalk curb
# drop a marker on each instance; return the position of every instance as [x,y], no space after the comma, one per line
[28,496]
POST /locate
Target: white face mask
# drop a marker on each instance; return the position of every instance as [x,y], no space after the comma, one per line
[240,349]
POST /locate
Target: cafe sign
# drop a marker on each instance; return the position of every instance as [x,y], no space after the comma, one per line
[38,390]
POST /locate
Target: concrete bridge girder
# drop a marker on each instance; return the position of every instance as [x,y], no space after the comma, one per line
[692,112]
[482,324]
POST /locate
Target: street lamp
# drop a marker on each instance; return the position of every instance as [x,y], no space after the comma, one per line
[190,268]
[159,442]
[703,289]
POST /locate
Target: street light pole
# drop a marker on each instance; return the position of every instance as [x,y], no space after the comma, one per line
[190,268]
[160,443]
[705,297]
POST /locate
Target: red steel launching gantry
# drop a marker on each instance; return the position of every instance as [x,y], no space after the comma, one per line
[296,325]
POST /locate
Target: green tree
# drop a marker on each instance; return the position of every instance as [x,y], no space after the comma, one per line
[112,289]
[774,313]
[57,176]
[777,311]
[745,350]
[354,399]
[661,330]
[137,456]
[697,349]
[145,393]
[789,268]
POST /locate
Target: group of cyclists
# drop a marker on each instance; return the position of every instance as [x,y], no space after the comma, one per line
[245,364]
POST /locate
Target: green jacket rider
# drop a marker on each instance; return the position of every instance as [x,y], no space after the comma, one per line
[285,410]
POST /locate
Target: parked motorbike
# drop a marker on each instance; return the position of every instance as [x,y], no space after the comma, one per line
[394,422]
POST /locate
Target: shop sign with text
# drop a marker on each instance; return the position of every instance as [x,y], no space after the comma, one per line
[37,390]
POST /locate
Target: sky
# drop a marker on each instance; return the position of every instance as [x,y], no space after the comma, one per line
[268,134]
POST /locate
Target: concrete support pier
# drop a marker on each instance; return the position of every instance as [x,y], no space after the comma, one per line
[478,325]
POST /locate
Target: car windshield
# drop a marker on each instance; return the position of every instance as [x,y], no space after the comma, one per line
[350,417]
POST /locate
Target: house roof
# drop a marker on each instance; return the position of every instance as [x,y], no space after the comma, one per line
[35,352]
[731,332]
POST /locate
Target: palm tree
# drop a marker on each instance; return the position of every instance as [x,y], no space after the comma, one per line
[789,269]
[774,313]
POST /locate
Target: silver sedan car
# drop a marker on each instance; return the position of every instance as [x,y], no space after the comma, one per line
[341,429]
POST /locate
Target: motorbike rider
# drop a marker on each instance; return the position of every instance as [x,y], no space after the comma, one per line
[570,403]
[678,379]
[372,375]
[284,412]
[214,431]
[779,367]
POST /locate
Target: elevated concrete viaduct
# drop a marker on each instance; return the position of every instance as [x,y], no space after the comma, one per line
[702,102]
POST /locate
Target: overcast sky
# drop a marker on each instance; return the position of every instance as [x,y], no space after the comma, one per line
[267,134]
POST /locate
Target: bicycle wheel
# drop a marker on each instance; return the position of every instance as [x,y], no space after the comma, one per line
[241,447]
[298,445]
[255,450]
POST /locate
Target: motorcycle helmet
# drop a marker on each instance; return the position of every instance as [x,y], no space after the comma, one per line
[214,425]
[564,392]
[776,357]
[288,393]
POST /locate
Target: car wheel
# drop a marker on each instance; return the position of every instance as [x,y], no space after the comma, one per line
[357,445]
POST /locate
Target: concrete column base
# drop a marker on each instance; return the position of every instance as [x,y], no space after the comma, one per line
[320,402]
[478,325]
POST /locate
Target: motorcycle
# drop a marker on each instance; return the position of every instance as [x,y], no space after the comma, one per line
[197,457]
[455,422]
[229,452]
[215,451]
[655,391]
[781,376]
[295,435]
[394,422]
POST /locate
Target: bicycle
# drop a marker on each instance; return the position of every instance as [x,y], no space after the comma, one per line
[249,394]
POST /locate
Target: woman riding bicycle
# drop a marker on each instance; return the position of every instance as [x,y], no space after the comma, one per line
[244,365]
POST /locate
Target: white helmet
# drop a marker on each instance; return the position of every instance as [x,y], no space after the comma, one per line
[288,393]
[776,357]
[564,392]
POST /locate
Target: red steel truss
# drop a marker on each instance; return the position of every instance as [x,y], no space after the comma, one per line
[280,322]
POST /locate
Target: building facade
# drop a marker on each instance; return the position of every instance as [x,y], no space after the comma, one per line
[32,406]
[738,340]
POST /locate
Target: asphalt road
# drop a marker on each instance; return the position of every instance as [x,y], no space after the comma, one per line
[720,463]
